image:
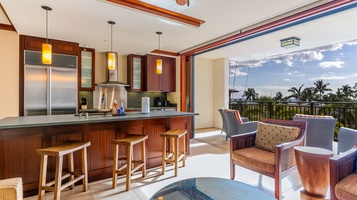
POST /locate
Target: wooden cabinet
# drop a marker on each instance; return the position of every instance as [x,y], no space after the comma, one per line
[136,73]
[165,82]
[86,69]
[58,46]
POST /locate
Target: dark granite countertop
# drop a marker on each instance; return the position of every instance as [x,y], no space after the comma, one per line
[51,120]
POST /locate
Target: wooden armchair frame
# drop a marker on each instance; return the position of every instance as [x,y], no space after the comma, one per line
[342,166]
[285,162]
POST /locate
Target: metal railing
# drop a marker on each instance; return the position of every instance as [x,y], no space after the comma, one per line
[345,113]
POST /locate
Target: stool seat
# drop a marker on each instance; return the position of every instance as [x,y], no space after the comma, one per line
[129,141]
[174,155]
[59,151]
[11,188]
[173,133]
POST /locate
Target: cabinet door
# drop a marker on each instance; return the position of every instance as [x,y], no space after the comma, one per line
[136,73]
[168,78]
[165,82]
[86,73]
[153,80]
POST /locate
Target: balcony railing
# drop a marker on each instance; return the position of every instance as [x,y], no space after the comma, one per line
[346,113]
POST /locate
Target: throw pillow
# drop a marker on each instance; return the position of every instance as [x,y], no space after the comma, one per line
[269,135]
[312,116]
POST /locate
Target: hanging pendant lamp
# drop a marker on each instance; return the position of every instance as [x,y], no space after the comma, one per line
[111,55]
[159,61]
[46,48]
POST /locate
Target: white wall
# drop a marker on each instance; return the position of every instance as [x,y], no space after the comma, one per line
[220,89]
[211,91]
[9,74]
[203,93]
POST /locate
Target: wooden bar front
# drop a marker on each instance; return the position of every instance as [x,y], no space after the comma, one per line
[18,146]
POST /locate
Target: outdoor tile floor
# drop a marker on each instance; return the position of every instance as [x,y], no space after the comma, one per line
[209,158]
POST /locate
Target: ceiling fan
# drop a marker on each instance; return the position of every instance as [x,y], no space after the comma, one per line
[183,2]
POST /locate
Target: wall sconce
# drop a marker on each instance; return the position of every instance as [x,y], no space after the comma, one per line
[111,56]
[46,47]
[159,61]
[290,42]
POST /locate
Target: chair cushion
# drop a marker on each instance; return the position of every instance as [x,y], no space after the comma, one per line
[255,158]
[236,113]
[312,116]
[269,135]
[346,188]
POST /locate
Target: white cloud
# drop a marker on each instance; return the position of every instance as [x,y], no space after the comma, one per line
[236,72]
[309,56]
[330,64]
[287,79]
[328,77]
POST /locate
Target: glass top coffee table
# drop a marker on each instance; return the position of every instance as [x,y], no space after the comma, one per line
[210,188]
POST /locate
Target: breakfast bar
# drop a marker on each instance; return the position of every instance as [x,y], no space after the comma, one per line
[21,136]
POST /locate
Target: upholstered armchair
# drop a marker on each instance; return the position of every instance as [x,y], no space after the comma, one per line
[236,124]
[276,161]
[319,131]
[343,176]
[346,139]
[224,121]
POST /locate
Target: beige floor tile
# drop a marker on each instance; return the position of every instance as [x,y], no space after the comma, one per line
[209,158]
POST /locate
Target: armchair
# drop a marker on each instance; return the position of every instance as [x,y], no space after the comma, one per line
[224,121]
[343,177]
[320,130]
[236,125]
[277,163]
[346,139]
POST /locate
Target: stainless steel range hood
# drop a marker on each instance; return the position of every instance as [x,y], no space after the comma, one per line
[112,75]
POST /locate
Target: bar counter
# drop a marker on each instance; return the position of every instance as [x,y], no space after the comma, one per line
[21,136]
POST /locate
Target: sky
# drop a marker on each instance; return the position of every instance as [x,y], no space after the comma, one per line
[335,64]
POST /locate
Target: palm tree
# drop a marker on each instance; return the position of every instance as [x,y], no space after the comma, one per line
[347,92]
[321,88]
[296,93]
[309,94]
[278,97]
[250,94]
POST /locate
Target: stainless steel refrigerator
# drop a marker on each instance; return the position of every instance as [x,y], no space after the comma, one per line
[50,90]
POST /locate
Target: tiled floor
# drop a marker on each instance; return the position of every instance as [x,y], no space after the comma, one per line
[209,158]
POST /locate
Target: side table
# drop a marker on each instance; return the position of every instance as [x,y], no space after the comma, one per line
[314,170]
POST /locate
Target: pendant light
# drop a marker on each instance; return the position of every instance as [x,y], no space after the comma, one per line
[111,54]
[159,61]
[46,48]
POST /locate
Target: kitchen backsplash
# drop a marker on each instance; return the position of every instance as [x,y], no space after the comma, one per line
[134,98]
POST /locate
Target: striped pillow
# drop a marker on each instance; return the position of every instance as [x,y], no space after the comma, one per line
[312,116]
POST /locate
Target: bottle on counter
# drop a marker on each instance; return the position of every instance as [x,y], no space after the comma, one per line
[121,109]
[115,108]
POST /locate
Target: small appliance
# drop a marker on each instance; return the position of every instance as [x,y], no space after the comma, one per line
[159,101]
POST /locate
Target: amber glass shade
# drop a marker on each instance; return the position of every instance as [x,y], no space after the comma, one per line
[111,60]
[158,66]
[46,53]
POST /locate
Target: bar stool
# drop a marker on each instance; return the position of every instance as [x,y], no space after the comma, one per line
[174,156]
[129,141]
[59,151]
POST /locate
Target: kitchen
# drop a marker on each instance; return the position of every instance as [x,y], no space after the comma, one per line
[51,129]
[94,78]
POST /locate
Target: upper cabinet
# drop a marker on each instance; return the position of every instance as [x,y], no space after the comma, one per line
[165,82]
[136,73]
[58,46]
[86,69]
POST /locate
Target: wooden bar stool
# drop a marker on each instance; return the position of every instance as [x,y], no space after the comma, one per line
[59,151]
[174,156]
[129,141]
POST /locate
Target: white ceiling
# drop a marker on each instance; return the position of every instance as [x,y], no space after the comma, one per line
[85,22]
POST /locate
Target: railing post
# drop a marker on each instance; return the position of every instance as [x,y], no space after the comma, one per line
[311,108]
[270,109]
